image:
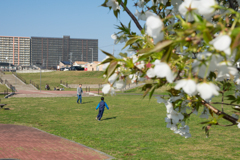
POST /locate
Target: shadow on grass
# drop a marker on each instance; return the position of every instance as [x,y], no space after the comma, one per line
[5,109]
[109,118]
[87,102]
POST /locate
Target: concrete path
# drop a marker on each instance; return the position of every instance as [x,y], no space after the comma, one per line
[129,86]
[37,93]
[18,84]
[27,143]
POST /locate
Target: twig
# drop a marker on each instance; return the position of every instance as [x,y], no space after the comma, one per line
[218,112]
[226,125]
[225,104]
[132,16]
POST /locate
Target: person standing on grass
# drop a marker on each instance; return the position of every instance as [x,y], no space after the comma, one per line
[101,105]
[79,93]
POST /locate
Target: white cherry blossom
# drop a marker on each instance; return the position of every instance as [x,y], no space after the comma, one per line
[173,127]
[151,73]
[140,3]
[221,42]
[182,130]
[104,67]
[113,78]
[183,8]
[161,100]
[120,84]
[187,135]
[188,85]
[195,111]
[175,98]
[162,70]
[235,116]
[206,8]
[205,113]
[207,90]
[113,4]
[154,26]
[238,125]
[201,68]
[225,68]
[108,88]
[175,116]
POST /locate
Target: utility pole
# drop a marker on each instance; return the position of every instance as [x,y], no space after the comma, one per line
[71,58]
[92,54]
[113,49]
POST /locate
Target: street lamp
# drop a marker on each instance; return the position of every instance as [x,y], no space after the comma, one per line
[40,74]
[8,64]
[92,53]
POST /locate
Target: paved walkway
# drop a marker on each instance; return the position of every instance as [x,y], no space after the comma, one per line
[27,143]
[37,93]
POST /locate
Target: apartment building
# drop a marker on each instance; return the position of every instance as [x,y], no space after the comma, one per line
[15,50]
[50,51]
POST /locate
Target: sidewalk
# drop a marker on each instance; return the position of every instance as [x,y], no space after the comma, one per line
[27,143]
[37,93]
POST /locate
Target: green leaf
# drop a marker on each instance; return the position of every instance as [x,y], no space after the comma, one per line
[108,54]
[236,42]
[159,46]
[146,88]
[104,4]
[197,17]
[116,12]
[207,36]
[130,41]
[235,32]
[145,50]
[231,97]
[237,55]
[167,56]
[174,92]
[111,68]
[123,54]
[106,60]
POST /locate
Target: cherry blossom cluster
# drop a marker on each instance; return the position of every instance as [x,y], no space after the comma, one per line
[192,52]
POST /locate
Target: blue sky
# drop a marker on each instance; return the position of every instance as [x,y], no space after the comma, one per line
[55,18]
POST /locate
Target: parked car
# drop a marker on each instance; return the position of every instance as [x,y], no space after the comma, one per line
[76,68]
[66,69]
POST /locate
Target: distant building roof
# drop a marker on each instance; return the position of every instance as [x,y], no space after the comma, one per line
[97,62]
[66,62]
[80,62]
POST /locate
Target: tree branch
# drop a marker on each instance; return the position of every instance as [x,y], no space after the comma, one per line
[225,104]
[218,112]
[132,16]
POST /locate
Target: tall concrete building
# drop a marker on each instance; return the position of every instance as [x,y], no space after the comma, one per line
[15,50]
[50,51]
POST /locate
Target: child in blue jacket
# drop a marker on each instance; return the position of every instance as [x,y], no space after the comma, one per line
[101,105]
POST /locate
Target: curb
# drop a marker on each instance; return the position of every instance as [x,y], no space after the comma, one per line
[18,79]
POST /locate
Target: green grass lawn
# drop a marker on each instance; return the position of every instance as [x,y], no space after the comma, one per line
[3,88]
[161,91]
[71,77]
[133,128]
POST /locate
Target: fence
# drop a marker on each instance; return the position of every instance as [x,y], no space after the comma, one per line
[65,83]
[20,77]
[2,72]
[34,84]
[1,80]
[10,86]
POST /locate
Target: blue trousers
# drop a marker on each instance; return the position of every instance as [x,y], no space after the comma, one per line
[100,114]
[79,98]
